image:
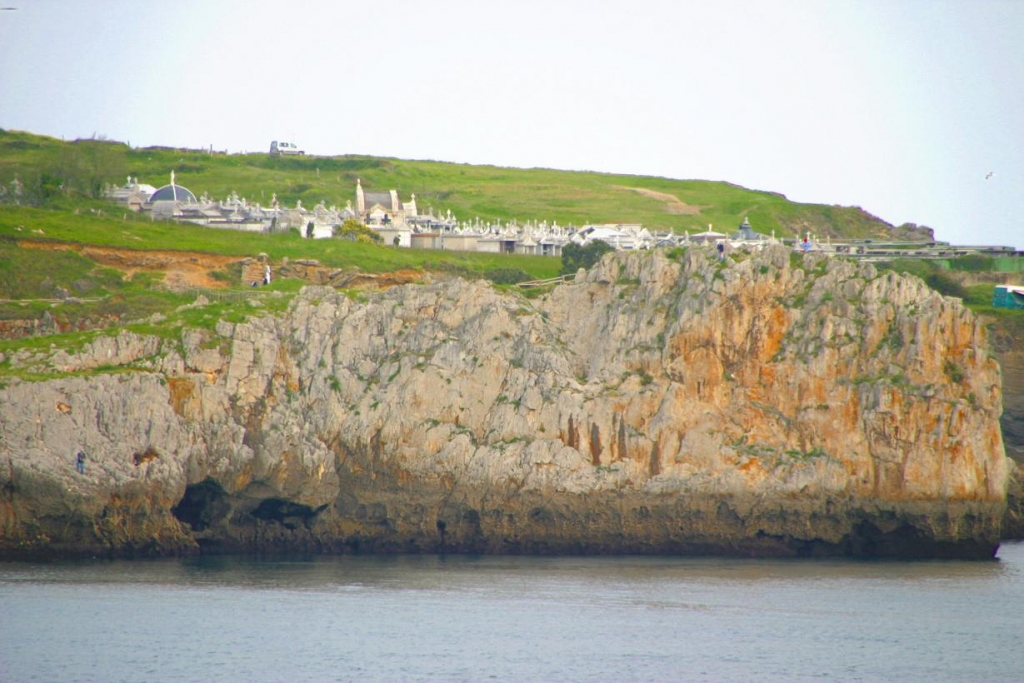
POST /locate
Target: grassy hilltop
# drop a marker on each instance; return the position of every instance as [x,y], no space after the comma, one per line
[72,263]
[53,170]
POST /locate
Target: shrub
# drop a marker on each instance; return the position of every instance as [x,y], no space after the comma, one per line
[953,371]
[507,276]
[354,231]
[921,269]
[973,263]
[575,256]
[943,284]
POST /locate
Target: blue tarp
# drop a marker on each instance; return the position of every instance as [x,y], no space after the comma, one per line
[1008,296]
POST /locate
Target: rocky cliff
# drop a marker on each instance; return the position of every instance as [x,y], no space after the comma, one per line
[1009,352]
[770,404]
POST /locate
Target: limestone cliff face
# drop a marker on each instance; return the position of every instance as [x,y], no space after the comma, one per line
[772,404]
[1010,355]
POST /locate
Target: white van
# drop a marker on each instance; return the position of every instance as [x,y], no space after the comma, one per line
[284,148]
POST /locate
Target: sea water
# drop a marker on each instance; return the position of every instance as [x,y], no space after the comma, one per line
[395,618]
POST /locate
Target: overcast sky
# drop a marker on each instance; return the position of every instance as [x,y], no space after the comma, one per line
[901,107]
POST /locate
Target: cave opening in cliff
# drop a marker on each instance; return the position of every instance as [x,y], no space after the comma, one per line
[203,505]
[290,515]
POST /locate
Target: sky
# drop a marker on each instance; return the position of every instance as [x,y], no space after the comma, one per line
[901,107]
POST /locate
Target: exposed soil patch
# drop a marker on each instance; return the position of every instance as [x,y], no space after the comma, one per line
[181,268]
[672,203]
[385,280]
[316,274]
[194,269]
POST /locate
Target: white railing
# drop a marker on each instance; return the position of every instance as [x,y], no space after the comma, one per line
[550,281]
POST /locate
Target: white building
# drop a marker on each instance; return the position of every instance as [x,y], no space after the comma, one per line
[383,208]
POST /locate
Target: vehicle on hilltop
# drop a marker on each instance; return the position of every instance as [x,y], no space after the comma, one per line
[278,148]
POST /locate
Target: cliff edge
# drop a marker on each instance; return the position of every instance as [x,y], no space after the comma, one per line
[770,404]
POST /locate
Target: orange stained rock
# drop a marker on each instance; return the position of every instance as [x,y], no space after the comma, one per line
[243,479]
[180,390]
[775,332]
[769,372]
[753,467]
[849,409]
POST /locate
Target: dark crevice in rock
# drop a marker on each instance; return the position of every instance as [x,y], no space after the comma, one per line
[286,513]
[148,455]
[203,505]
[866,540]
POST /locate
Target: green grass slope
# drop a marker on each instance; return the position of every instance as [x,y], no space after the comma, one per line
[59,174]
[51,195]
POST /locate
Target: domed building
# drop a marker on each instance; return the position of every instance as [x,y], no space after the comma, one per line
[167,200]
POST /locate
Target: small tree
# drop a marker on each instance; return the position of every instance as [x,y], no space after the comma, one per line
[945,285]
[355,231]
[575,256]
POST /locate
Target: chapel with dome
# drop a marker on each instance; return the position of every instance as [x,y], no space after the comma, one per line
[173,193]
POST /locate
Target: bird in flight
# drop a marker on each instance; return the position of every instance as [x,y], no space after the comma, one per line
[989,175]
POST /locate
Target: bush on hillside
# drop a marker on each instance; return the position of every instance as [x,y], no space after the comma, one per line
[507,276]
[931,273]
[575,256]
[945,285]
[973,263]
[921,269]
[354,231]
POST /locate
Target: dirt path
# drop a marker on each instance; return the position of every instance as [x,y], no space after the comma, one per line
[672,203]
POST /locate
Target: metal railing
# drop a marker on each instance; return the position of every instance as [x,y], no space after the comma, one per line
[220,295]
[550,281]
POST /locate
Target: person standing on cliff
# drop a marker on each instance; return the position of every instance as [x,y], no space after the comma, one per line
[80,462]
[721,251]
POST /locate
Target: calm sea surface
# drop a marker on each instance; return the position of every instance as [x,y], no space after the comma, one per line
[513,618]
